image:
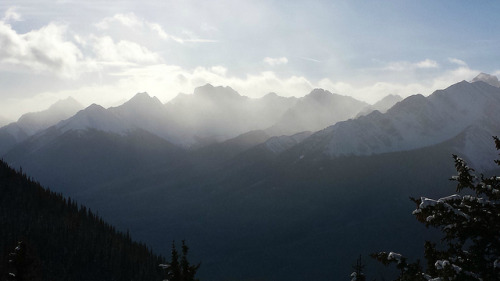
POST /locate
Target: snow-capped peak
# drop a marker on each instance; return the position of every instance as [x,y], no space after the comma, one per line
[95,117]
[487,78]
[415,122]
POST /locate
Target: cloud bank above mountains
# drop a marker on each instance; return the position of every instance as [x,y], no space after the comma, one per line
[106,53]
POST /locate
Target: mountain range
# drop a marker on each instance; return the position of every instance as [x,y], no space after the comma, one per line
[272,188]
[31,123]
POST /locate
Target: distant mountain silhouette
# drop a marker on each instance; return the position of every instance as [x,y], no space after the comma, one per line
[31,123]
[316,111]
[487,78]
[4,121]
[382,105]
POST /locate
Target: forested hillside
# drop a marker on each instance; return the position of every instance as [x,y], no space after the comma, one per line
[53,238]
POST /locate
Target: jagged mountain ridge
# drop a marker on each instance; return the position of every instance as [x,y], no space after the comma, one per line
[413,123]
[382,105]
[216,114]
[31,123]
[316,111]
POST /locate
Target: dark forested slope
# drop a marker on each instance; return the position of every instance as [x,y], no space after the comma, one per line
[62,241]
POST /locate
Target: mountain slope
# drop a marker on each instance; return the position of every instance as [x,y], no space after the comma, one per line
[31,123]
[61,240]
[86,159]
[382,105]
[316,111]
[214,114]
[4,121]
[413,123]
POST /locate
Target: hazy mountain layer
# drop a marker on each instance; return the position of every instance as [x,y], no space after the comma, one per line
[316,111]
[4,121]
[215,114]
[382,105]
[31,123]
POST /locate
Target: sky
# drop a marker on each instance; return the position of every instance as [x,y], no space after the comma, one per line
[105,52]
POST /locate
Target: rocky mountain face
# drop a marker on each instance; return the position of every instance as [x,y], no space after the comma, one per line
[413,123]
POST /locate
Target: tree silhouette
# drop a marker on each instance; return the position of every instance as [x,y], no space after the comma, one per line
[180,270]
[357,274]
[471,227]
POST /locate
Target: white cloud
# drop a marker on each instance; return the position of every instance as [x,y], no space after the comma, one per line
[124,51]
[194,38]
[457,61]
[375,91]
[159,79]
[275,61]
[130,20]
[11,15]
[208,28]
[166,81]
[218,69]
[427,64]
[44,49]
[405,65]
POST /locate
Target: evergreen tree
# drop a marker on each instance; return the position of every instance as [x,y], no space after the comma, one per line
[188,271]
[183,270]
[61,241]
[357,274]
[471,227]
[22,264]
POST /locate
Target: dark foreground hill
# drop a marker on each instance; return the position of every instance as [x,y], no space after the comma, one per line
[62,241]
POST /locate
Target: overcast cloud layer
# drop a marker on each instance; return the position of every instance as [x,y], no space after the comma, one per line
[105,52]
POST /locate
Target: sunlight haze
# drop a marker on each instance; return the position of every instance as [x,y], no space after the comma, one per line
[105,52]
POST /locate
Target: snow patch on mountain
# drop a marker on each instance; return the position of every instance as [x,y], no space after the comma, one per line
[94,117]
[34,122]
[282,143]
[412,123]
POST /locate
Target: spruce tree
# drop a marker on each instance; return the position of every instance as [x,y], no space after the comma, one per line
[470,224]
[180,271]
[188,271]
[357,274]
[22,264]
